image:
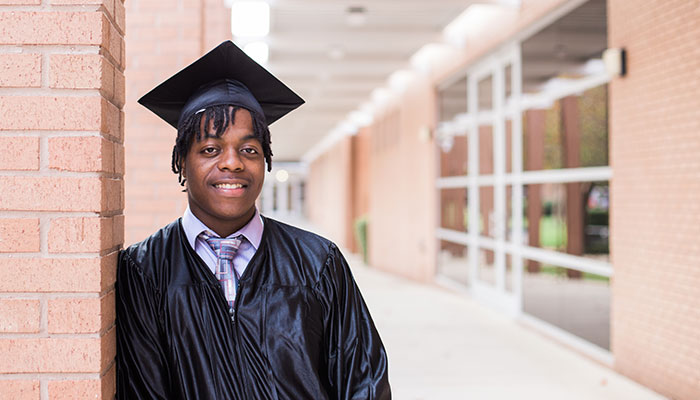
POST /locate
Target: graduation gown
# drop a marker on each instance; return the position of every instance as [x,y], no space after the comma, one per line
[299,329]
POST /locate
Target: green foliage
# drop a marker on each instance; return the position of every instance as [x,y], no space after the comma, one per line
[360,226]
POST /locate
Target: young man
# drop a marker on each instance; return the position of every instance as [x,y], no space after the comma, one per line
[224,303]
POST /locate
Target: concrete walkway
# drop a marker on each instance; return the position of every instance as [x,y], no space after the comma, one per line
[444,346]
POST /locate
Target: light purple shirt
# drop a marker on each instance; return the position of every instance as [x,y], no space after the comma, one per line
[252,231]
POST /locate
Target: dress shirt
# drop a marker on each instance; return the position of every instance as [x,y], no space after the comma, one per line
[252,232]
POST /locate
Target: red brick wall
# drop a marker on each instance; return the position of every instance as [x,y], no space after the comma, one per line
[403,208]
[328,193]
[655,221]
[61,223]
[163,38]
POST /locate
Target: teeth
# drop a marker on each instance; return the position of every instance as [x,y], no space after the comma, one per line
[229,186]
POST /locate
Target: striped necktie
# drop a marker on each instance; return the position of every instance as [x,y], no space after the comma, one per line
[225,249]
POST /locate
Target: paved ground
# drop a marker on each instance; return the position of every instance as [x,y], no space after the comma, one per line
[444,346]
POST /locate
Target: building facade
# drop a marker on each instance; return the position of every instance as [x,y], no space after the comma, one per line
[519,170]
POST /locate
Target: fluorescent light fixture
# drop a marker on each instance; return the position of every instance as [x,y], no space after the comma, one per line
[380,96]
[250,18]
[347,128]
[360,118]
[258,51]
[282,175]
[399,80]
[423,59]
[472,21]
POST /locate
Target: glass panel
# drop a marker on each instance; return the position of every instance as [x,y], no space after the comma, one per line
[573,133]
[575,301]
[454,161]
[485,93]
[485,150]
[453,100]
[593,108]
[487,216]
[453,261]
[453,209]
[572,218]
[487,266]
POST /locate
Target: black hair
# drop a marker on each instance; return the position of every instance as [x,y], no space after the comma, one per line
[220,116]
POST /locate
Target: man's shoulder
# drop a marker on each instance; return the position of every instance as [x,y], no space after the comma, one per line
[154,246]
[280,234]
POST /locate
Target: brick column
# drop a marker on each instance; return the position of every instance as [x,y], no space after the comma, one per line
[61,168]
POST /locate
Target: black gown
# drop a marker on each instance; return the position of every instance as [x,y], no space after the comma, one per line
[299,330]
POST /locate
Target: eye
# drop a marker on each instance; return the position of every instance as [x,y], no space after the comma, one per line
[250,150]
[209,150]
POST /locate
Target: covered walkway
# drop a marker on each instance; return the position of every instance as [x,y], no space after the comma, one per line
[443,346]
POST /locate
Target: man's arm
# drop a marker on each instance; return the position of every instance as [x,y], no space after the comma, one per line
[141,366]
[357,361]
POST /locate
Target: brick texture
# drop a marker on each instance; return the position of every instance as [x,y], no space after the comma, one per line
[19,235]
[401,228]
[45,275]
[19,153]
[56,354]
[86,154]
[655,193]
[19,315]
[80,315]
[19,390]
[62,197]
[154,197]
[20,70]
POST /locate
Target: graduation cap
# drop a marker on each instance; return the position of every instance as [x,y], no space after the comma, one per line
[225,75]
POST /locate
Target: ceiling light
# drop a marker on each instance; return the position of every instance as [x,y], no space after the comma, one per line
[423,59]
[282,175]
[472,21]
[356,16]
[399,80]
[250,18]
[380,96]
[258,51]
[360,118]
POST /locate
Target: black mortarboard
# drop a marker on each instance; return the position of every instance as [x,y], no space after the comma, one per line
[225,75]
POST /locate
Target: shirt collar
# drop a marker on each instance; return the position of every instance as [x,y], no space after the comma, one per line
[252,231]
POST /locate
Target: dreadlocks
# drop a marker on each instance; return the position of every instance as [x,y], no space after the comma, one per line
[219,117]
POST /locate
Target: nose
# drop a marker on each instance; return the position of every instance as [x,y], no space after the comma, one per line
[230,160]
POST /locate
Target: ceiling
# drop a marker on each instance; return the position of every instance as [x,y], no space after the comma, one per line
[335,66]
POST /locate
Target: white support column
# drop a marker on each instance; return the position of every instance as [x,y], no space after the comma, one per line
[283,197]
[267,199]
[517,202]
[297,209]
[499,156]
[473,172]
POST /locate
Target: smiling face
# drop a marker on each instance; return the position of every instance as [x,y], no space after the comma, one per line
[225,176]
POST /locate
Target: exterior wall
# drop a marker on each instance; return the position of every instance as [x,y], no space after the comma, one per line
[328,193]
[163,38]
[61,222]
[403,201]
[656,195]
[360,171]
